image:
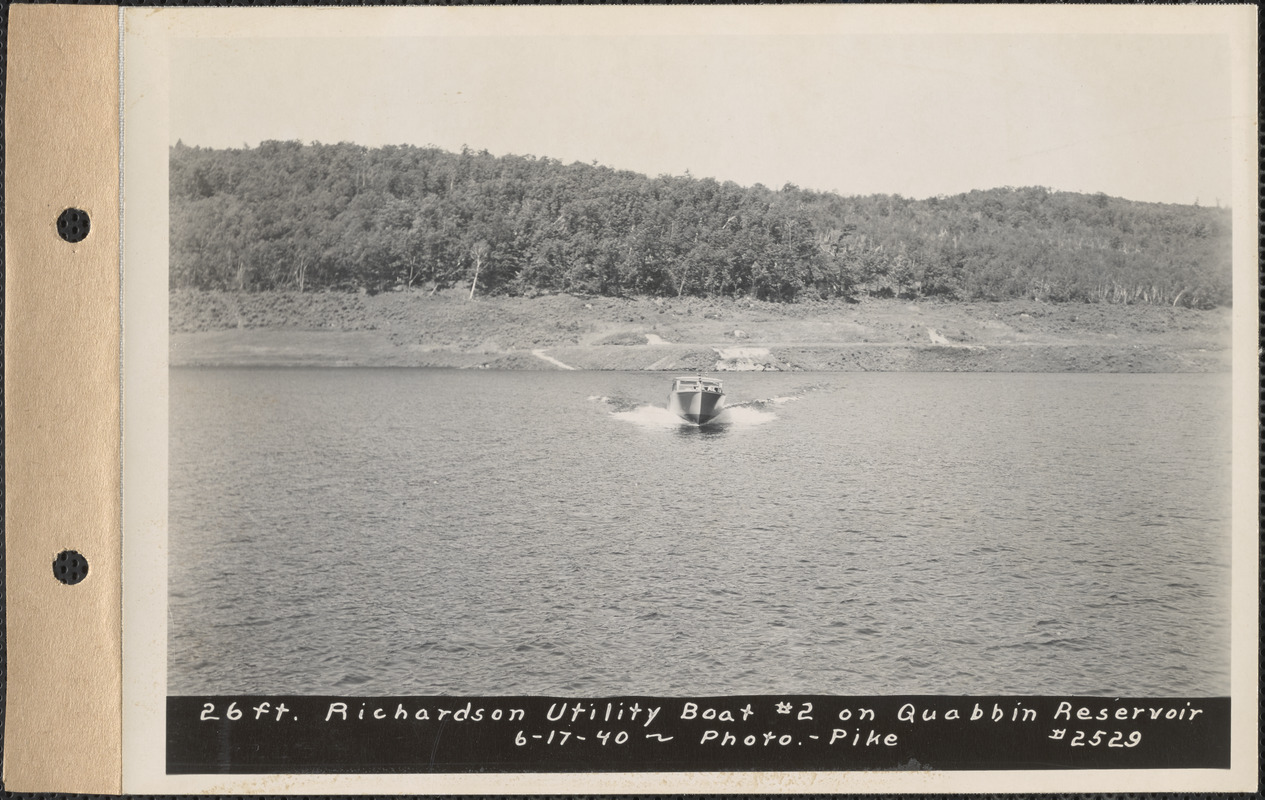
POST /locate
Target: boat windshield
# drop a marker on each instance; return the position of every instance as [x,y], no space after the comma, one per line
[696,384]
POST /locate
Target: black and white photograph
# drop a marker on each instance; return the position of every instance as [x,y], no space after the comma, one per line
[692,376]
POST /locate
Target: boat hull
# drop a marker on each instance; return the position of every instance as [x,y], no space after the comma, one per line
[696,407]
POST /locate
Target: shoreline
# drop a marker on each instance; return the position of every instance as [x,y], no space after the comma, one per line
[557,332]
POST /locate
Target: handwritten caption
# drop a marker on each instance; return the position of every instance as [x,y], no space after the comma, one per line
[763,723]
[408,734]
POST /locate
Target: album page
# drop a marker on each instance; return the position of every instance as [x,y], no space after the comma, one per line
[706,399]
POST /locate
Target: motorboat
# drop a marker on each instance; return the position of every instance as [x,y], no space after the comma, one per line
[697,400]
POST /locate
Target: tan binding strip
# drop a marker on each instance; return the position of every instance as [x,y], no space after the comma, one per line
[61,401]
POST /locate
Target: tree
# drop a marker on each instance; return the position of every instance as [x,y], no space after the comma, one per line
[343,217]
[478,252]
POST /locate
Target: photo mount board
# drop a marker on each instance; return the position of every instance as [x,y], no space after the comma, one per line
[63,714]
[62,407]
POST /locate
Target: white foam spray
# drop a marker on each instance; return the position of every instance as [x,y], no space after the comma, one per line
[650,417]
[660,418]
[747,416]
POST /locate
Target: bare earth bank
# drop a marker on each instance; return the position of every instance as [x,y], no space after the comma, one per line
[415,328]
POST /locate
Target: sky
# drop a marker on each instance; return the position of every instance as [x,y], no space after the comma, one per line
[1146,116]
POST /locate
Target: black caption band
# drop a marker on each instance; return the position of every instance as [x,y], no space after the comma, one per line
[328,734]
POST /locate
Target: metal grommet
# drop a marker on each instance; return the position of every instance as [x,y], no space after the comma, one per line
[70,567]
[73,225]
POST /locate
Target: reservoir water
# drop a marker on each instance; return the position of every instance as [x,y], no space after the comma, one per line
[415,531]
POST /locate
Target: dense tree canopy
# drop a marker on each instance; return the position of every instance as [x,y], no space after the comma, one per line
[346,217]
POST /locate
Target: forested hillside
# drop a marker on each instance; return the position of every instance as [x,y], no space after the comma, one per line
[344,217]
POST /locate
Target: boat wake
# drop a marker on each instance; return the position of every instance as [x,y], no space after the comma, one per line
[767,402]
[745,414]
[652,417]
[659,418]
[616,404]
[780,400]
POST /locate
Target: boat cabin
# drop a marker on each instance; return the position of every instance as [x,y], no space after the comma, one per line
[697,384]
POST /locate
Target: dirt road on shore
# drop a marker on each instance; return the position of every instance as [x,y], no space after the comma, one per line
[688,334]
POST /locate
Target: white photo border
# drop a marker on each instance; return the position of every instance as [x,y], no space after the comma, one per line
[148,36]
